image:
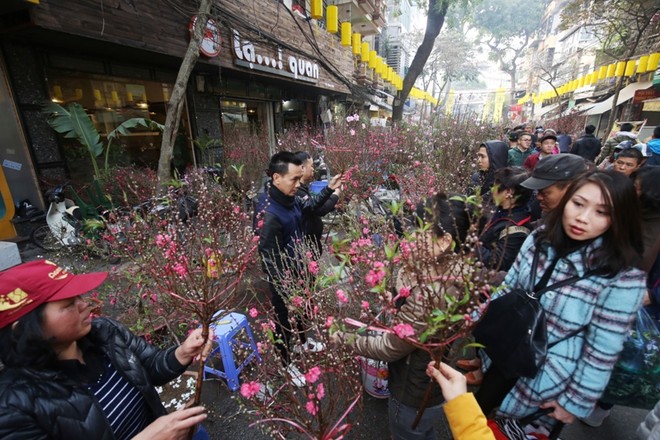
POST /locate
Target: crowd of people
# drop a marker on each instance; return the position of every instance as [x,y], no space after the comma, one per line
[584,220]
[552,207]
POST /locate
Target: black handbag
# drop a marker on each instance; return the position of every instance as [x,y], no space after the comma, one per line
[513,330]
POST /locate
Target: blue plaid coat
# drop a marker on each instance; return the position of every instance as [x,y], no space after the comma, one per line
[577,369]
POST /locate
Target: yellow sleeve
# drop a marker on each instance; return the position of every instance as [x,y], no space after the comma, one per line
[466,420]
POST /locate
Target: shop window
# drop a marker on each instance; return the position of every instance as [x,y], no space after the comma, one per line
[109,101]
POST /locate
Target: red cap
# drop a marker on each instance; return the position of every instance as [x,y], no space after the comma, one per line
[25,287]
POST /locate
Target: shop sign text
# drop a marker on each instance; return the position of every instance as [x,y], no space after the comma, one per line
[298,68]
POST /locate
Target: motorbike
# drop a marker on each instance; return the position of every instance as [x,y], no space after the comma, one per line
[64,223]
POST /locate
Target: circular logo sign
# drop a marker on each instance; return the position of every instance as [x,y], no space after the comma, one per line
[210,45]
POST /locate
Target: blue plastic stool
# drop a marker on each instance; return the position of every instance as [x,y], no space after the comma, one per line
[225,329]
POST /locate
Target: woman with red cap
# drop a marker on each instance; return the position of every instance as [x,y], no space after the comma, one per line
[68,376]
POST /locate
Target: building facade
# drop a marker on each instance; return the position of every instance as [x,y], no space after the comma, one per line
[264,66]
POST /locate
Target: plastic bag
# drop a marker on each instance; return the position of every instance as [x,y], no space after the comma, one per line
[635,380]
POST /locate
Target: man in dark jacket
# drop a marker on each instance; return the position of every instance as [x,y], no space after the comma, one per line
[68,376]
[588,146]
[491,156]
[279,224]
[564,141]
[312,223]
[552,176]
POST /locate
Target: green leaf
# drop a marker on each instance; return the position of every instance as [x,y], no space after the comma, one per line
[439,315]
[125,127]
[377,289]
[456,318]
[424,336]
[389,251]
[464,300]
[74,123]
[395,207]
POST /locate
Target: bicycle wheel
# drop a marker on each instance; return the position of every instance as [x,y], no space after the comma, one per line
[43,237]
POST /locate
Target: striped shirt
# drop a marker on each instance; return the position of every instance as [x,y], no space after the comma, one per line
[121,402]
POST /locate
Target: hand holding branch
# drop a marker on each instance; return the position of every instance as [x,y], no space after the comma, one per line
[194,346]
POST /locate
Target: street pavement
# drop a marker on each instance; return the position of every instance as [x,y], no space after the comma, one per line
[373,425]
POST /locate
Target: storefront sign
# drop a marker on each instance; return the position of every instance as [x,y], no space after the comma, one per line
[210,45]
[246,55]
[643,95]
[652,106]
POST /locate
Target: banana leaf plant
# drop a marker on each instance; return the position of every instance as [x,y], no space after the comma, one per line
[74,123]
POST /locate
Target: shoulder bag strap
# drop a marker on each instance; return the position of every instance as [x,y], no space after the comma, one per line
[567,281]
[535,263]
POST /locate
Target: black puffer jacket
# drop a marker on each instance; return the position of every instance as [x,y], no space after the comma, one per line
[49,405]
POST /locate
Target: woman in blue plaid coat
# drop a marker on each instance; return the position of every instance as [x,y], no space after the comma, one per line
[595,228]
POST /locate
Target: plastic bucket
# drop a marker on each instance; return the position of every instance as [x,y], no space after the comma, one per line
[317,186]
[374,377]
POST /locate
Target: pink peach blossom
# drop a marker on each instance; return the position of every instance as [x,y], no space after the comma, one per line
[329,321]
[404,330]
[313,374]
[250,389]
[311,407]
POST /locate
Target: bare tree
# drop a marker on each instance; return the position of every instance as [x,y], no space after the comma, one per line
[437,10]
[175,104]
[625,28]
[507,27]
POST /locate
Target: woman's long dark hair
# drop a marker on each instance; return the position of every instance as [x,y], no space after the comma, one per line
[447,214]
[23,344]
[622,242]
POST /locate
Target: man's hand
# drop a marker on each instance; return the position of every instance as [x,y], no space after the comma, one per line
[336,182]
[559,413]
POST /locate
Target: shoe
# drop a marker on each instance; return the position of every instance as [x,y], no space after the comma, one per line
[472,379]
[596,418]
[297,378]
[311,346]
[469,364]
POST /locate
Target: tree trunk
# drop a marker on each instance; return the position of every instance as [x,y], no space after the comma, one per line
[175,105]
[615,99]
[434,22]
[512,80]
